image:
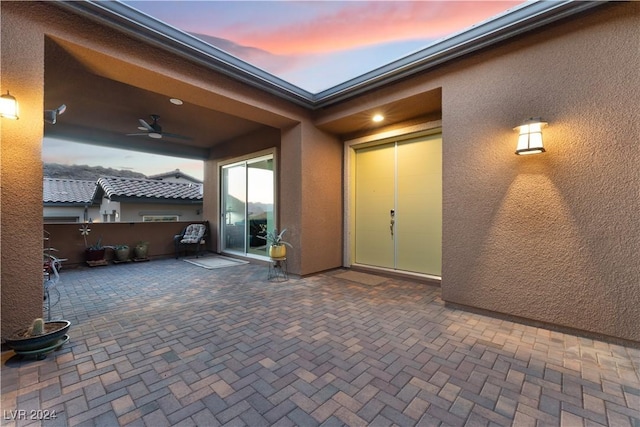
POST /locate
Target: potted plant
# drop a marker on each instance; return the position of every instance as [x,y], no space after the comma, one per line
[94,254]
[141,250]
[277,246]
[121,252]
[39,339]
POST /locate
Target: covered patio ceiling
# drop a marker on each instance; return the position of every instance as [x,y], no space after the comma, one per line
[106,96]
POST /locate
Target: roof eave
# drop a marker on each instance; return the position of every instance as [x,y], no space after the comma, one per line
[155,200]
[50,203]
[512,23]
[526,17]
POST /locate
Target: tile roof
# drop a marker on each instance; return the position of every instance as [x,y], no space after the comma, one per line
[115,187]
[174,174]
[56,190]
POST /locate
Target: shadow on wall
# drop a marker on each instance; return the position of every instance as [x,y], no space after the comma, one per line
[533,234]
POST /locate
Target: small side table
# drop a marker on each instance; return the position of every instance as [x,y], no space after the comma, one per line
[278,271]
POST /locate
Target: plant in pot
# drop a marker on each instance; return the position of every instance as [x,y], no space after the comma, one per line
[121,252]
[141,250]
[93,253]
[39,339]
[277,246]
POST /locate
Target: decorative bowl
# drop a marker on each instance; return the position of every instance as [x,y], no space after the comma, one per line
[54,331]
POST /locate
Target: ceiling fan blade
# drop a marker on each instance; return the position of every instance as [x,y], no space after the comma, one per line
[176,136]
[138,134]
[146,125]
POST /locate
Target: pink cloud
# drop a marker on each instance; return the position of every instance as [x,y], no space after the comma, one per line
[365,23]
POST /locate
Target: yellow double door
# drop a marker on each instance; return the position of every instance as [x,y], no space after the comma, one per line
[398,205]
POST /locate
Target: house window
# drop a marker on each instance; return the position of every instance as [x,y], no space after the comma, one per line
[160,218]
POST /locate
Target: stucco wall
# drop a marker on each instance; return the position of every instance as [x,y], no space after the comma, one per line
[235,148]
[70,244]
[309,191]
[290,192]
[21,175]
[321,226]
[552,237]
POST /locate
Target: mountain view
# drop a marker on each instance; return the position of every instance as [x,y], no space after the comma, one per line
[84,172]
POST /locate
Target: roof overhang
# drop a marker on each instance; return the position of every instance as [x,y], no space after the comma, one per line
[527,17]
[70,204]
[155,200]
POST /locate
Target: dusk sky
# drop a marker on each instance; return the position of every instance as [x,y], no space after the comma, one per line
[312,44]
[319,44]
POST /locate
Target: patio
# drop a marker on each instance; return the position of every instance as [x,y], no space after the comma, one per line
[169,343]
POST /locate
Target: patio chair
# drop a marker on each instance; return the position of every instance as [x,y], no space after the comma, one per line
[193,235]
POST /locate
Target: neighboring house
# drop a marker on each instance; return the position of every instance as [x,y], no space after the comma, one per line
[175,176]
[147,200]
[116,199]
[69,200]
[550,238]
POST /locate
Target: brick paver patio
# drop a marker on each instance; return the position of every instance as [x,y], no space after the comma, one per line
[169,343]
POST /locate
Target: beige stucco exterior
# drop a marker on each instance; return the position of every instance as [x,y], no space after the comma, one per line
[551,238]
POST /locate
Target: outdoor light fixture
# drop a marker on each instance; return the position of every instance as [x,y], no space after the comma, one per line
[51,116]
[378,118]
[530,138]
[8,106]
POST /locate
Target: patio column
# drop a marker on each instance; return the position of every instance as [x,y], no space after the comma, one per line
[310,192]
[22,69]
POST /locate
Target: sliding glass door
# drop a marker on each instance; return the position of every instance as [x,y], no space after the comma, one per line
[247,205]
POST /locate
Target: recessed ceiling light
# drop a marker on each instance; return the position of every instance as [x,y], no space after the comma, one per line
[378,118]
[176,101]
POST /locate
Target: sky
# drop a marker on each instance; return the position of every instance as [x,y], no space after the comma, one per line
[319,44]
[312,44]
[73,153]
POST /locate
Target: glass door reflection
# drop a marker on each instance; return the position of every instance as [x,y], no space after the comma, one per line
[247,205]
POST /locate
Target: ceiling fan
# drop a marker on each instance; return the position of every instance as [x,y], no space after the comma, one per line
[154,130]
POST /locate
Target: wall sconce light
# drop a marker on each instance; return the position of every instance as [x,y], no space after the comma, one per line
[8,106]
[530,138]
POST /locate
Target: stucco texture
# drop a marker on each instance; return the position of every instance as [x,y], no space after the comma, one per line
[553,237]
[21,176]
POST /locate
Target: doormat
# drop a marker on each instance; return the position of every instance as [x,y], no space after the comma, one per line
[362,278]
[212,262]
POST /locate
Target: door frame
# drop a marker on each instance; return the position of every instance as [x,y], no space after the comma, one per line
[350,147]
[273,151]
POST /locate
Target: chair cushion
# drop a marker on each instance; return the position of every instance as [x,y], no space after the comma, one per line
[193,234]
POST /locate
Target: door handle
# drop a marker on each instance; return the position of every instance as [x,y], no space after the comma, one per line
[392,213]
